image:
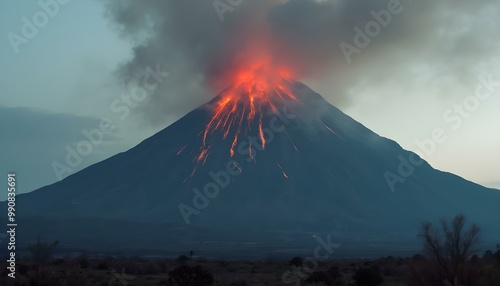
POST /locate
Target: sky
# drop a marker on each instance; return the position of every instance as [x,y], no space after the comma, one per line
[428,77]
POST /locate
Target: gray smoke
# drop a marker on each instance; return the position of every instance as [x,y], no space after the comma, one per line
[199,45]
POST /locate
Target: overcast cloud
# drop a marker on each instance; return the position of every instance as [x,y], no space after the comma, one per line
[438,37]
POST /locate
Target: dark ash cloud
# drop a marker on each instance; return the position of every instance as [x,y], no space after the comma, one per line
[189,40]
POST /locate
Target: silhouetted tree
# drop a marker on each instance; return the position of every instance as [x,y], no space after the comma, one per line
[40,253]
[190,276]
[450,245]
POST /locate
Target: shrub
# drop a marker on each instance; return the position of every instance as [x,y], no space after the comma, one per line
[497,254]
[102,266]
[182,259]
[194,276]
[23,269]
[83,261]
[320,276]
[334,272]
[58,261]
[76,278]
[152,267]
[368,276]
[223,263]
[296,261]
[489,256]
[239,283]
[329,278]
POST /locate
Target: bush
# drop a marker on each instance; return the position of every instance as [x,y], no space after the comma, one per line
[58,261]
[83,261]
[320,276]
[23,269]
[334,272]
[152,267]
[368,276]
[239,283]
[418,258]
[497,255]
[182,259]
[76,278]
[296,261]
[194,276]
[223,263]
[329,278]
[102,266]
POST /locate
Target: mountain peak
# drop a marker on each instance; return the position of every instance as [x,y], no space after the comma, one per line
[280,165]
[241,107]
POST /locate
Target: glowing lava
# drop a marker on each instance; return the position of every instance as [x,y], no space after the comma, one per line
[328,128]
[282,172]
[240,108]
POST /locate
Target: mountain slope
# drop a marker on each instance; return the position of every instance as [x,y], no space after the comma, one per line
[320,171]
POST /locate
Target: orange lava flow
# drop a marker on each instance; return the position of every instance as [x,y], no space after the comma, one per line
[255,89]
[282,172]
[329,129]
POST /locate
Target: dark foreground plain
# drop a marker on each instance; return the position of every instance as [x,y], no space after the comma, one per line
[186,270]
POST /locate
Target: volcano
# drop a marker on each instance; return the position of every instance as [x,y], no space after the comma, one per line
[259,167]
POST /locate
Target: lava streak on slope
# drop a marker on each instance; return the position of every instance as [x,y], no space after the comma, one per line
[255,90]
